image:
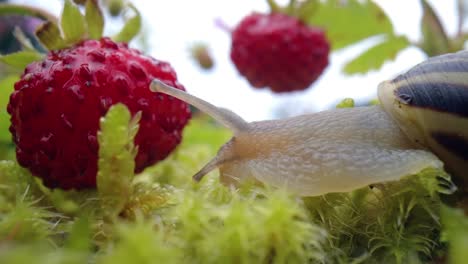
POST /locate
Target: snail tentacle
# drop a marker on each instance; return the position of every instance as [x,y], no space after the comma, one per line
[224,116]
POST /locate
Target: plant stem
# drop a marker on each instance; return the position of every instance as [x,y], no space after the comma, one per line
[274,7]
[461,16]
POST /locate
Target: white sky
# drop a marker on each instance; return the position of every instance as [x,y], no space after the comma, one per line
[172,26]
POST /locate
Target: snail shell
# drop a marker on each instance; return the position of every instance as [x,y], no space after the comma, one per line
[430,103]
[422,121]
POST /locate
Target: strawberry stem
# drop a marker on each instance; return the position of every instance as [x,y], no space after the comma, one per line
[222,25]
[274,7]
[292,5]
[26,10]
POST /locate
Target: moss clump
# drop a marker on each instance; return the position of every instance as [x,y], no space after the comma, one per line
[165,217]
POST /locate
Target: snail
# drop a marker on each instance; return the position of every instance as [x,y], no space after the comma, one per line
[421,122]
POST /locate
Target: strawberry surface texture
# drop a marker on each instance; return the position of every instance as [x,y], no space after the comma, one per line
[58,102]
[279,51]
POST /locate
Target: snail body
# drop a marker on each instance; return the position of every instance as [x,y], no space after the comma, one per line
[341,150]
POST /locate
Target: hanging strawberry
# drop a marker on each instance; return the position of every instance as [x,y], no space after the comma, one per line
[57,103]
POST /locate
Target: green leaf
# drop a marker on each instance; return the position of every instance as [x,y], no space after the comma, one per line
[21,59]
[26,10]
[347,22]
[49,35]
[116,159]
[130,29]
[376,56]
[94,19]
[455,227]
[6,88]
[435,40]
[72,23]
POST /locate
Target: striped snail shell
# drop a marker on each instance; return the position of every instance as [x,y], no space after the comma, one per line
[421,123]
[430,103]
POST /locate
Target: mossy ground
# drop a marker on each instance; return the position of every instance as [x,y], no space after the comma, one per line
[161,216]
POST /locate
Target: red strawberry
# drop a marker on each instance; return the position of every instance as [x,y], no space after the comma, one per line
[279,51]
[57,103]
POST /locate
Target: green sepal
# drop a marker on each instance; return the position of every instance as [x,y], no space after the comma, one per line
[435,40]
[94,19]
[49,35]
[72,23]
[21,59]
[131,27]
[116,163]
[115,7]
[376,56]
[23,40]
[303,10]
[274,7]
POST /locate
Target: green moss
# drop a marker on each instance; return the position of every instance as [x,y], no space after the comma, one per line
[455,233]
[116,159]
[165,217]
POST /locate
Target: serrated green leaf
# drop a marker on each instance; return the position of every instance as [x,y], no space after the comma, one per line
[49,35]
[435,40]
[21,59]
[131,27]
[376,56]
[94,19]
[116,159]
[72,23]
[347,22]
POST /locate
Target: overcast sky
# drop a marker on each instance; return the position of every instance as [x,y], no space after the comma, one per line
[172,26]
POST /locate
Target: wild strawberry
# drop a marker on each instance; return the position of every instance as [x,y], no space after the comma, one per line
[278,51]
[57,103]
